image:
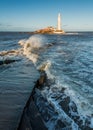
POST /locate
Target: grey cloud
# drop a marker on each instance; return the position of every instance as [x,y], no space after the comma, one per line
[65,25]
[1,24]
[5,25]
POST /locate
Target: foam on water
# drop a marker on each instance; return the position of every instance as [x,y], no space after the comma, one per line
[53,91]
[79,108]
[31,47]
[32,44]
[91,125]
[28,47]
[45,66]
[84,107]
[66,107]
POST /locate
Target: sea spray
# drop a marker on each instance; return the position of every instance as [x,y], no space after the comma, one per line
[28,47]
[31,45]
[45,66]
[35,41]
[63,70]
[58,110]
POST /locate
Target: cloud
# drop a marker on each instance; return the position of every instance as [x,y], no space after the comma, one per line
[86,24]
[65,25]
[1,24]
[8,25]
[5,25]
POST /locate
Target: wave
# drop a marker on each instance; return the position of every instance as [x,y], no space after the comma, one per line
[35,41]
[61,107]
[45,66]
[58,109]
[28,47]
[31,46]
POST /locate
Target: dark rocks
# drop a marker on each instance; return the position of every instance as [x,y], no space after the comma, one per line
[31,119]
[14,93]
[65,104]
[45,109]
[63,89]
[59,125]
[35,117]
[25,123]
[73,107]
[40,112]
[40,82]
[7,61]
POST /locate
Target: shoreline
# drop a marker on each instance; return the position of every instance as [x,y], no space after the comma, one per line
[33,118]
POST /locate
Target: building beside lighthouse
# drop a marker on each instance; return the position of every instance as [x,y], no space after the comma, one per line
[53,30]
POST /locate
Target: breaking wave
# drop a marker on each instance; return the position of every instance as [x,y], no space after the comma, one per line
[29,48]
[62,110]
[58,109]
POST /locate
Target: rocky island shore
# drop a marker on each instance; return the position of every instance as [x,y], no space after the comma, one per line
[49,30]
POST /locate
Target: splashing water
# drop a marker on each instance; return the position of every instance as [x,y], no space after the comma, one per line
[33,43]
[45,67]
[29,48]
[69,85]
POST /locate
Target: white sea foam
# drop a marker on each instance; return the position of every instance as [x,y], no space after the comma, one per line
[35,41]
[47,94]
[30,48]
[54,96]
[29,45]
[91,125]
[45,66]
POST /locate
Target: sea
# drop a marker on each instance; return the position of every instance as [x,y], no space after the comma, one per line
[67,61]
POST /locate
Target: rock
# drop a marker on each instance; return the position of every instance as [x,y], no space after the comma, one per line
[41,80]
[59,125]
[63,89]
[25,123]
[7,61]
[31,119]
[73,107]
[45,109]
[35,117]
[65,104]
[49,30]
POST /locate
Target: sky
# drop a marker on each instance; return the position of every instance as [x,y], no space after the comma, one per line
[30,15]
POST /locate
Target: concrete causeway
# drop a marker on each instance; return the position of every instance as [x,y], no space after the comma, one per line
[16,83]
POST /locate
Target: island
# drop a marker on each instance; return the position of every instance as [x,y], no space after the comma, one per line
[50,29]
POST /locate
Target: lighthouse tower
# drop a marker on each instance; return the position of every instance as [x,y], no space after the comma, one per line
[59,22]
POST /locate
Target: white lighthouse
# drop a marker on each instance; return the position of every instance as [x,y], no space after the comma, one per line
[59,22]
[59,29]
